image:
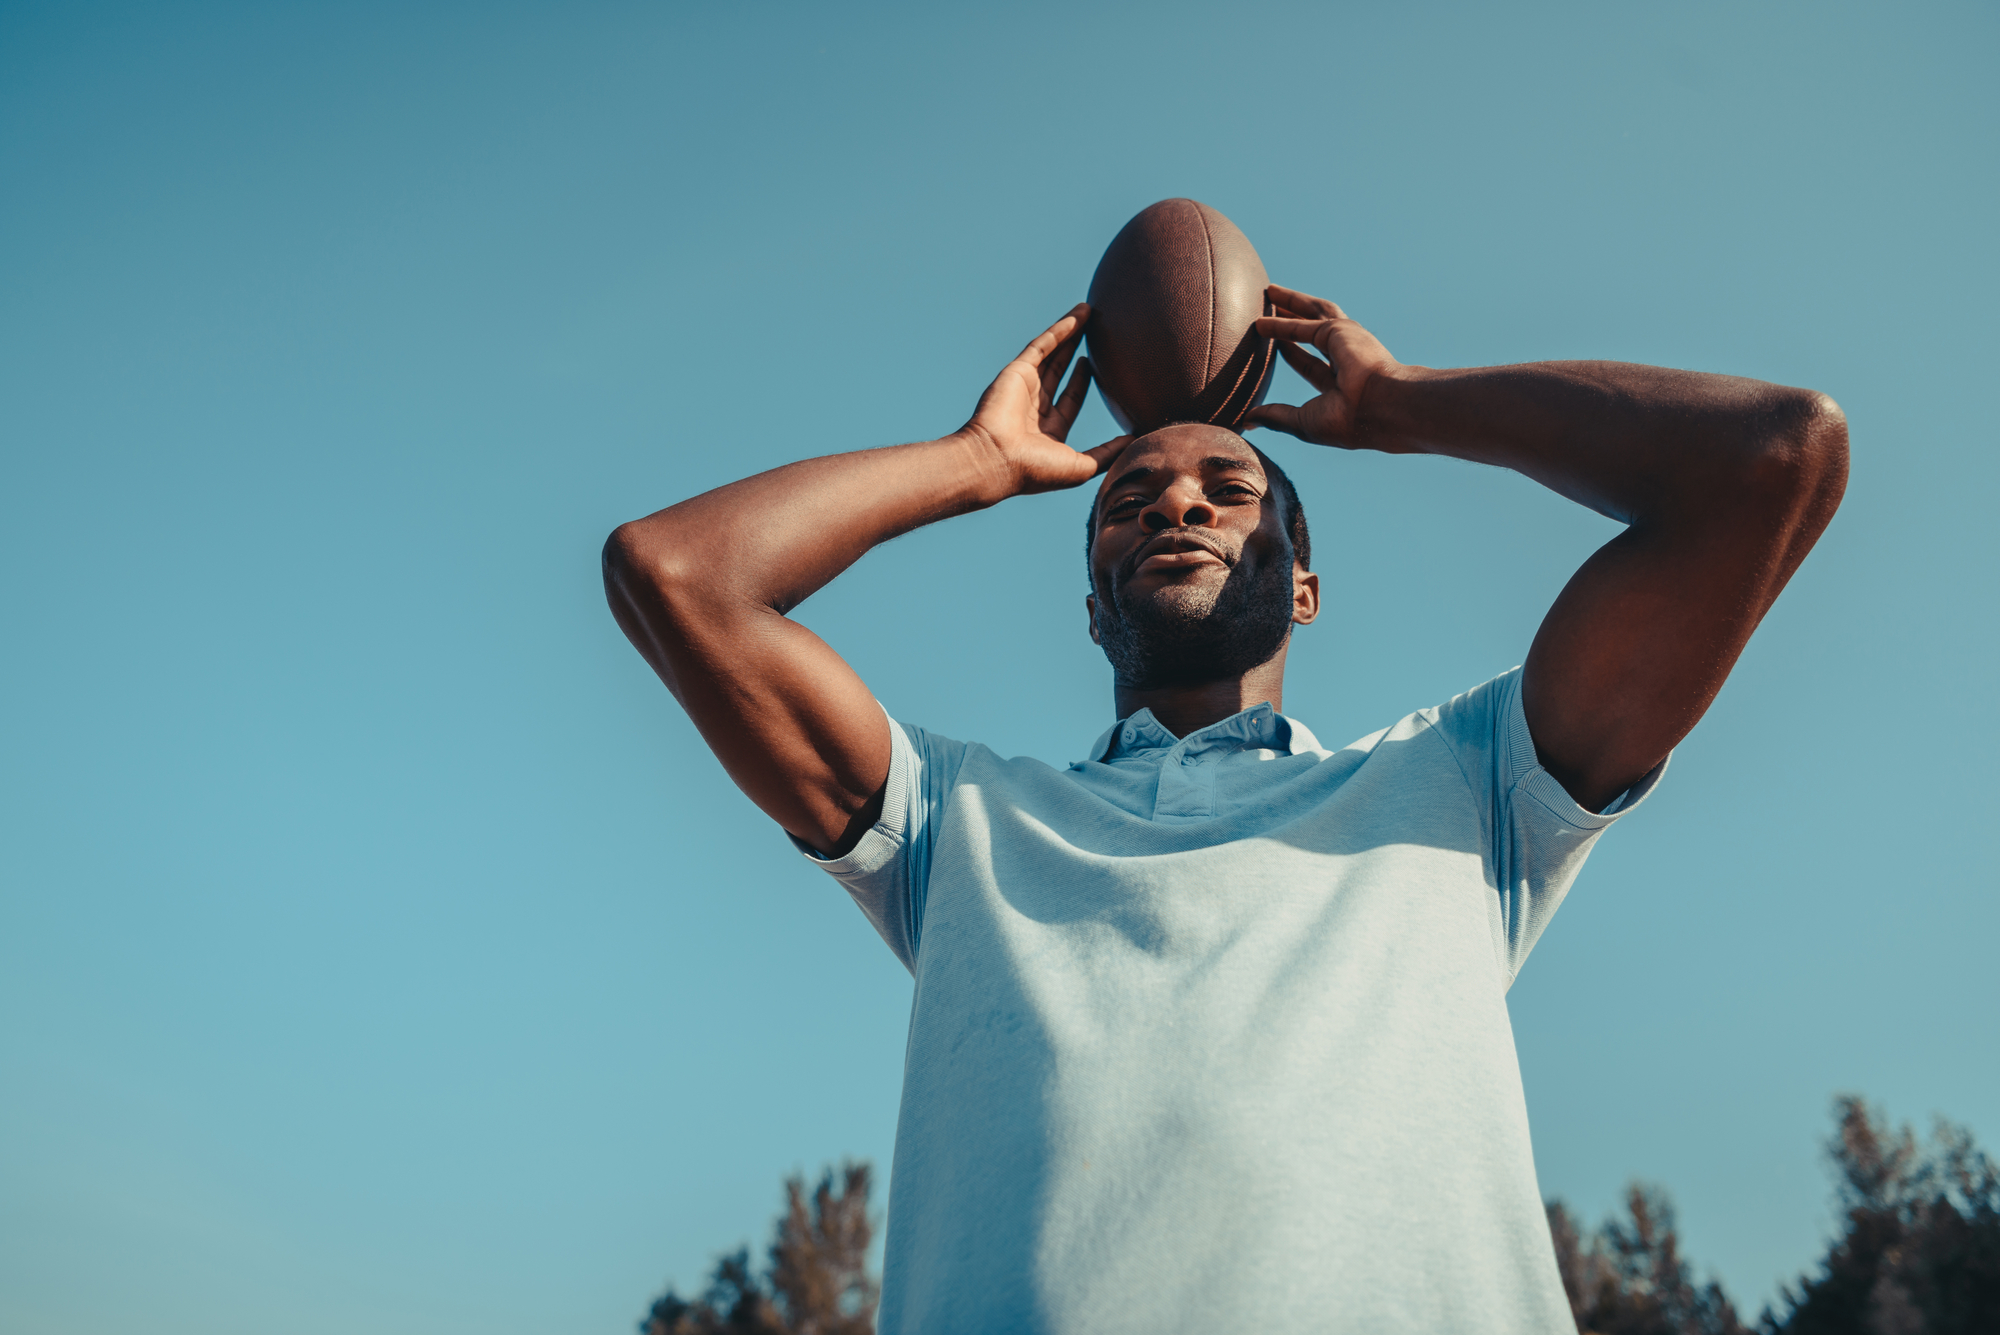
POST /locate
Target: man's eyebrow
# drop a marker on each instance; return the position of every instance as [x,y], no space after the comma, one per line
[1224,462]
[1142,471]
[1220,462]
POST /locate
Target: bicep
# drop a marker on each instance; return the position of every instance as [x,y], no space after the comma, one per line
[1639,642]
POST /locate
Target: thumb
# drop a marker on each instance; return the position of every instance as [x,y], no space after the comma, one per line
[1102,455]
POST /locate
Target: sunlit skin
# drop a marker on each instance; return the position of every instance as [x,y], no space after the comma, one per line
[1724,485]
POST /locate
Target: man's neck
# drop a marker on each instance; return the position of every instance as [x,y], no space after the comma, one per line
[1185,709]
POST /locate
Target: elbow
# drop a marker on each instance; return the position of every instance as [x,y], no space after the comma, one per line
[639,567]
[623,553]
[1822,449]
[1799,465]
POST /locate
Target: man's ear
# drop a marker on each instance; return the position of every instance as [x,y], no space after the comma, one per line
[1090,607]
[1305,597]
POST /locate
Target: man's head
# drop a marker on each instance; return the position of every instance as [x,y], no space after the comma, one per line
[1198,553]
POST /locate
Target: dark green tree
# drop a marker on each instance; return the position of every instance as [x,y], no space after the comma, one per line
[817,1281]
[1629,1277]
[1919,1253]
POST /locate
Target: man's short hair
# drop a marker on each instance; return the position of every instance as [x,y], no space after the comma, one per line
[1281,482]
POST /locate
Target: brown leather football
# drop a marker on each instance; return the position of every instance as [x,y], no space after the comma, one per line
[1171,311]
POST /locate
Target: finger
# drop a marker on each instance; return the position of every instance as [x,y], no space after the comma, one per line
[1283,417]
[1316,372]
[1298,331]
[1304,302]
[1051,338]
[1058,362]
[1058,420]
[1103,455]
[1279,308]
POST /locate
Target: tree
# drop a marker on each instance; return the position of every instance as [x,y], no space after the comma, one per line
[816,1283]
[1629,1278]
[1920,1254]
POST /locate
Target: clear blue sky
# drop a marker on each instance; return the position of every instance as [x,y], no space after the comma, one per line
[379,948]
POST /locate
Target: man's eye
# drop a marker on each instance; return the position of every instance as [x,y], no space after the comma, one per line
[1126,506]
[1235,490]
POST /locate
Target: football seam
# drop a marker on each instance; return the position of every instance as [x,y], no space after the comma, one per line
[1207,245]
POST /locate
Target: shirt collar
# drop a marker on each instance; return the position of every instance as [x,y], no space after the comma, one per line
[1259,727]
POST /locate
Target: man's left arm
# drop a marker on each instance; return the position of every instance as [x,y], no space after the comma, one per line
[1724,485]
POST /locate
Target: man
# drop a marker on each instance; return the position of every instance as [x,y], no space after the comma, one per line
[1210,1028]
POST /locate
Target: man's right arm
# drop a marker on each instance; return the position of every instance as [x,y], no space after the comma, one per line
[702,588]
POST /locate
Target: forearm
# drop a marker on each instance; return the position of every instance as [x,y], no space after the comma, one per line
[1640,444]
[771,541]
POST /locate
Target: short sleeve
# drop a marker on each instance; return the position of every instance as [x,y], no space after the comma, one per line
[1536,834]
[888,872]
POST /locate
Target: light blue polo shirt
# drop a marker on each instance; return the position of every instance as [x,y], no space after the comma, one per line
[1210,1033]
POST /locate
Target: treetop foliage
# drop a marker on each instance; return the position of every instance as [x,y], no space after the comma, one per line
[1918,1253]
[1629,1278]
[816,1281]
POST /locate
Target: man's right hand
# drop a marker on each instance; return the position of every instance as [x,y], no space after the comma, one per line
[1026,423]
[702,588]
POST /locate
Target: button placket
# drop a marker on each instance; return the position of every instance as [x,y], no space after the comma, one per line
[1186,790]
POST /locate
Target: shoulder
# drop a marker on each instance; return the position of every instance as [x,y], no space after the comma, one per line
[1468,742]
[1469,719]
[1484,724]
[937,765]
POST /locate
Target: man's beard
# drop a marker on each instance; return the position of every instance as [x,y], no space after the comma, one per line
[1194,634]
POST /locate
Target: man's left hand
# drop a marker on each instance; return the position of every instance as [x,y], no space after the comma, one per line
[1354,357]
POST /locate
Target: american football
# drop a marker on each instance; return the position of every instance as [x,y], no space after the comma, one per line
[1173,304]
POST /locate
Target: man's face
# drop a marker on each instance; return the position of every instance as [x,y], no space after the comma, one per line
[1192,574]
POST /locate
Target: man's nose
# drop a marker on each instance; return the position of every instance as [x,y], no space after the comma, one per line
[1178,506]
